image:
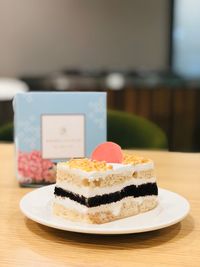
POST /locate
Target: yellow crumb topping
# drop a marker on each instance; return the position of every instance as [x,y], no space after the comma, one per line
[89,165]
[134,159]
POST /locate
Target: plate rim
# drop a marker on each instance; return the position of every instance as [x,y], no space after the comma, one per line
[102,231]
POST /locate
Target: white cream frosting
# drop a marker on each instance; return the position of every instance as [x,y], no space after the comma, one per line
[114,207]
[91,192]
[127,169]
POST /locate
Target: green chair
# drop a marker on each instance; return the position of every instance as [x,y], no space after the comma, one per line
[6,132]
[131,131]
[127,130]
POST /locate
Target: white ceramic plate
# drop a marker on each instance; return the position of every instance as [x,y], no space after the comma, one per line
[171,209]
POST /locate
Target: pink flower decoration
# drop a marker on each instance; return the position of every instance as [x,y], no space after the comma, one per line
[32,165]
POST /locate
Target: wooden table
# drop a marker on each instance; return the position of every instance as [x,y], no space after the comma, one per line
[26,243]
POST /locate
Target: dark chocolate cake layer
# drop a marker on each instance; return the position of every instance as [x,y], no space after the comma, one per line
[147,189]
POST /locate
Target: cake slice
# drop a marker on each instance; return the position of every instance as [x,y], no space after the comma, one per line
[98,192]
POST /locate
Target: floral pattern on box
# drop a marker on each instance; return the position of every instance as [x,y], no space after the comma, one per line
[32,168]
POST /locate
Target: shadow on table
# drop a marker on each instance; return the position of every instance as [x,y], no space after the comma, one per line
[62,248]
[118,242]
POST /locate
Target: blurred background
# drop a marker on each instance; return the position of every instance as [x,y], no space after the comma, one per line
[144,54]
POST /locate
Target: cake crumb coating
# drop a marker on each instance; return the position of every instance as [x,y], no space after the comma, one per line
[88,165]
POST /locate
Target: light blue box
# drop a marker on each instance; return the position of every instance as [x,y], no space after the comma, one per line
[53,126]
